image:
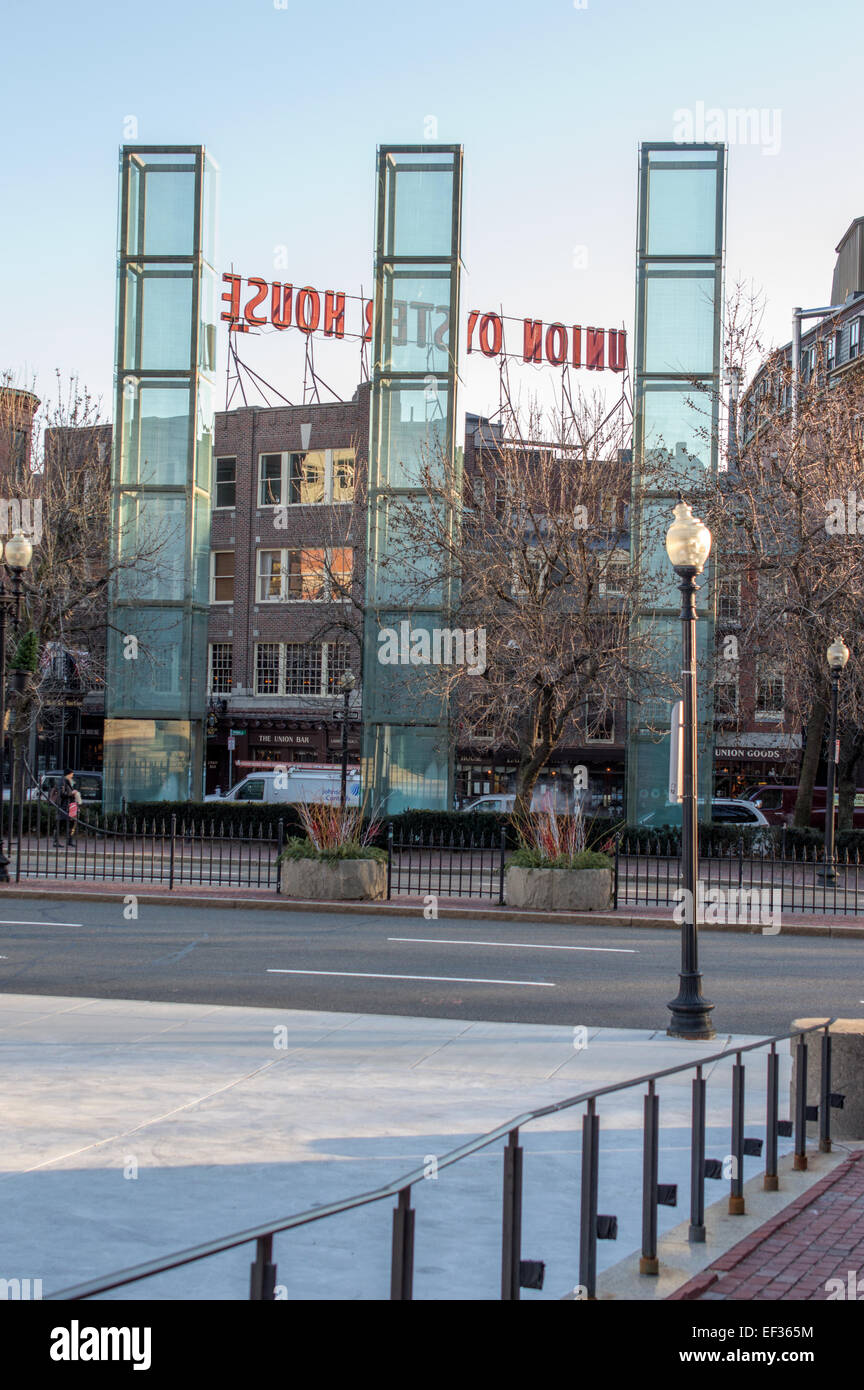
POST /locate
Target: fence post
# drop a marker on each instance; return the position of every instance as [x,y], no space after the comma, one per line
[615,874]
[389,859]
[280,845]
[171,855]
[501,871]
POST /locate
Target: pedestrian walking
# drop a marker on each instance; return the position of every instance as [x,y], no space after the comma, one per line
[68,802]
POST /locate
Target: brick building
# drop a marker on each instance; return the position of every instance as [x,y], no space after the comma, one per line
[287,555]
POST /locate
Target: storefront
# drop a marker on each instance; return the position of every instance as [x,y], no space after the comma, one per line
[239,745]
[754,759]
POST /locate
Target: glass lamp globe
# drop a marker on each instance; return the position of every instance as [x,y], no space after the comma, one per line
[348,680]
[688,540]
[838,654]
[19,551]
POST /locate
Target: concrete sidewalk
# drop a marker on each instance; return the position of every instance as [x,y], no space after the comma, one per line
[133,1129]
[845,927]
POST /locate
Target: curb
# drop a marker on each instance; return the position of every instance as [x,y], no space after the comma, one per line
[400,909]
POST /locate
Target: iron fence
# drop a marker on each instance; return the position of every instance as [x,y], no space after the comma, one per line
[169,850]
[733,880]
[446,866]
[517,1273]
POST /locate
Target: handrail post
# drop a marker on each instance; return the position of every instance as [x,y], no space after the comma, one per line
[825,1094]
[770,1180]
[511,1224]
[696,1234]
[799,1161]
[280,845]
[262,1272]
[402,1262]
[588,1209]
[648,1262]
[737,1206]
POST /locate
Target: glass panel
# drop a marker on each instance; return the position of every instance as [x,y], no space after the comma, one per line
[146,760]
[674,421]
[411,431]
[270,493]
[682,212]
[343,475]
[419,204]
[679,323]
[163,311]
[169,213]
[154,434]
[152,533]
[306,477]
[416,332]
[269,575]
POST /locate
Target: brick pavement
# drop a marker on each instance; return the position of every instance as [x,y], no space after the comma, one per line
[818,1237]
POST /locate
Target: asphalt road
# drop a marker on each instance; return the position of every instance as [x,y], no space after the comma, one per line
[497,971]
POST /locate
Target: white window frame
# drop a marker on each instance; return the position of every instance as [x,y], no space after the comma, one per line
[210,650]
[617,558]
[770,673]
[323,691]
[331,458]
[594,738]
[733,681]
[735,585]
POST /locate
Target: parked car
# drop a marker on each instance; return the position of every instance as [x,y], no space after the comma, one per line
[777,802]
[89,784]
[503,802]
[306,782]
[724,811]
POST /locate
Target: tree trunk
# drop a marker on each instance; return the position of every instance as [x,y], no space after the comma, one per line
[810,763]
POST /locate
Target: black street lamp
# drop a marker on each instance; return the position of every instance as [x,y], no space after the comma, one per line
[688,545]
[346,685]
[838,655]
[18,554]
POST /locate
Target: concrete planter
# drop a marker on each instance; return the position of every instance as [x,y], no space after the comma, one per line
[561,890]
[340,881]
[847,1076]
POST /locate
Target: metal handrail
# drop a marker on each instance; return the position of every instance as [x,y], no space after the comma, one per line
[263,1233]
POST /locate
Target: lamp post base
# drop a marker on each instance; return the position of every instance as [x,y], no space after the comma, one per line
[691,1014]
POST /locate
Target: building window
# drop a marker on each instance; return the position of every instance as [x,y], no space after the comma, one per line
[302,668]
[769,693]
[313,575]
[728,601]
[222,576]
[830,351]
[726,696]
[226,482]
[267,668]
[306,479]
[221,668]
[599,722]
[614,579]
[336,664]
[270,480]
[854,337]
[306,572]
[299,668]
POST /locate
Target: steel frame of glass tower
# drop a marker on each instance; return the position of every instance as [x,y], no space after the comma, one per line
[161,474]
[678,363]
[407,759]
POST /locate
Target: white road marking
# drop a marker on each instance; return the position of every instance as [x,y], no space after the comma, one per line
[11,923]
[449,979]
[516,945]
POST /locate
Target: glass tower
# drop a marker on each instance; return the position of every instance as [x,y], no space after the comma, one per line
[406,753]
[155,700]
[678,355]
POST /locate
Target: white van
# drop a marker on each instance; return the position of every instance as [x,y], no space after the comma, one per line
[305,782]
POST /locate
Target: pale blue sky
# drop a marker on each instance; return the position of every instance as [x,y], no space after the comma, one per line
[549,101]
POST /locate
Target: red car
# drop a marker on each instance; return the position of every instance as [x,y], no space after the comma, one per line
[777,803]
